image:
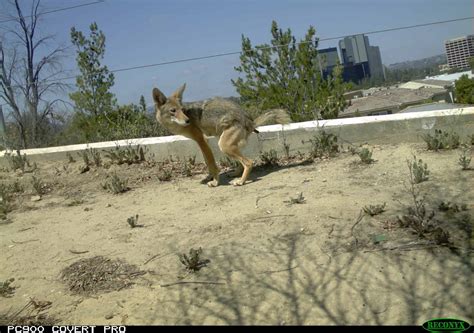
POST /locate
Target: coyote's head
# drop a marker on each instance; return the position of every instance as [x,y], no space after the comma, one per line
[169,110]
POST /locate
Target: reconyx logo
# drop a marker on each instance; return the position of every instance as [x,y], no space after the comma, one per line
[446,325]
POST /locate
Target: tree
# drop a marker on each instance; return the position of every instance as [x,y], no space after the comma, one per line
[464,90]
[471,64]
[330,98]
[284,74]
[29,72]
[142,103]
[98,116]
[93,101]
[93,97]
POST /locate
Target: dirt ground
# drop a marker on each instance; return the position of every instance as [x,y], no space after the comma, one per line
[269,261]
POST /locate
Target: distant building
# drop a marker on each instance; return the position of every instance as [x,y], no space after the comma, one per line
[375,62]
[354,49]
[459,50]
[328,59]
[360,59]
[379,101]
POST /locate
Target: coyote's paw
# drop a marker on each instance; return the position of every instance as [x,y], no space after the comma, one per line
[213,183]
[237,182]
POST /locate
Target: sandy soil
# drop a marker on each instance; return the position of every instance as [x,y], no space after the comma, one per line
[270,262]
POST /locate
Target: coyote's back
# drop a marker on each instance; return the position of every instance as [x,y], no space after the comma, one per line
[217,114]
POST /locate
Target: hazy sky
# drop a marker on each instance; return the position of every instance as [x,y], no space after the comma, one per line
[143,32]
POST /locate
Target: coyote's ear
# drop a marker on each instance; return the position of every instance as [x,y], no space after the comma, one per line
[178,94]
[158,97]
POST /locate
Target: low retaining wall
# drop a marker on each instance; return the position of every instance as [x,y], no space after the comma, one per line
[384,129]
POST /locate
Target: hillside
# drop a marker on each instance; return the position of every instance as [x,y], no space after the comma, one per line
[420,63]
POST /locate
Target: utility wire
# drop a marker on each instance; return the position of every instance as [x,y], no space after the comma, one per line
[58,10]
[269,47]
[276,46]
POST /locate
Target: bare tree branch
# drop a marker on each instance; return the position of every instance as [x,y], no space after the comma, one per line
[22,77]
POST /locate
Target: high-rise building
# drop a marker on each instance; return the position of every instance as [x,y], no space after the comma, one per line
[375,62]
[354,49]
[360,59]
[459,50]
[328,59]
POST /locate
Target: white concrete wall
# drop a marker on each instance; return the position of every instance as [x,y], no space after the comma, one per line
[384,129]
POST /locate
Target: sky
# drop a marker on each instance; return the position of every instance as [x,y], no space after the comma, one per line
[141,32]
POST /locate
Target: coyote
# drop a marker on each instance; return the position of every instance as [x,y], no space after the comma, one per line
[215,117]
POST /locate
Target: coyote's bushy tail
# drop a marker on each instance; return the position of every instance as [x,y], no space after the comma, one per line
[274,116]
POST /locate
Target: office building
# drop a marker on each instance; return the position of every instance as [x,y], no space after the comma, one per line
[360,59]
[459,50]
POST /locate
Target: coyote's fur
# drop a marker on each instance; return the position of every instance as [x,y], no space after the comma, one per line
[215,117]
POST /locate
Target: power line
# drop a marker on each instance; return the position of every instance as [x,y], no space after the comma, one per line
[58,10]
[270,47]
[277,46]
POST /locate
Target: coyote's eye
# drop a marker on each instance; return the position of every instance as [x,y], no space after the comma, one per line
[173,111]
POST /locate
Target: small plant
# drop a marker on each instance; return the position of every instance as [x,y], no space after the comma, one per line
[365,156]
[91,157]
[373,210]
[5,208]
[187,169]
[128,155]
[85,157]
[418,170]
[227,162]
[298,200]
[133,222]
[39,187]
[116,185]
[324,144]
[70,158]
[441,140]
[353,150]
[451,207]
[269,158]
[193,262]
[7,192]
[165,175]
[6,290]
[96,158]
[419,219]
[19,162]
[286,148]
[192,160]
[464,159]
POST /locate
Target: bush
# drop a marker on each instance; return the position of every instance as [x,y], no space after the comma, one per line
[441,140]
[324,144]
[418,170]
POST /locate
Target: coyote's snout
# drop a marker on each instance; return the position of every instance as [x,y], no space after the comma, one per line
[215,117]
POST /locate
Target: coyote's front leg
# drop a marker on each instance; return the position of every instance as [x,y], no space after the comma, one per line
[210,162]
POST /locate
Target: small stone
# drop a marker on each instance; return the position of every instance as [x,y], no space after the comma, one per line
[109,316]
[36,198]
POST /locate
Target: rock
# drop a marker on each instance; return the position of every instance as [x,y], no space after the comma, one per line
[36,198]
[109,316]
